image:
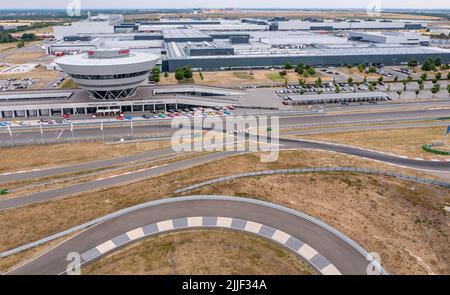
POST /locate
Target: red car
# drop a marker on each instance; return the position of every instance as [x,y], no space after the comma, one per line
[66,116]
[120,118]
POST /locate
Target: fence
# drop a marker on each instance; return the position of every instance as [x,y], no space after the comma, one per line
[315,170]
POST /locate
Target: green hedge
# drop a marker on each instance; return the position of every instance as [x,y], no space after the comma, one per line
[429,148]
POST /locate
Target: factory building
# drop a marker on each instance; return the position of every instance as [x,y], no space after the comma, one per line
[406,38]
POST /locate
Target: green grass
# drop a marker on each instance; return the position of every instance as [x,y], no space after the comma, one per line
[69,84]
[243,75]
[275,77]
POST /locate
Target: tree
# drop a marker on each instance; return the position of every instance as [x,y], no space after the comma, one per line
[28,37]
[166,75]
[448,89]
[371,87]
[409,78]
[448,76]
[438,76]
[421,86]
[179,74]
[399,92]
[350,80]
[361,67]
[424,76]
[200,74]
[334,80]
[365,80]
[412,63]
[300,68]
[305,74]
[187,72]
[337,90]
[349,66]
[5,37]
[311,71]
[380,79]
[396,79]
[404,85]
[372,69]
[285,82]
[288,66]
[417,92]
[437,62]
[283,73]
[319,82]
[301,82]
[435,89]
[20,44]
[429,65]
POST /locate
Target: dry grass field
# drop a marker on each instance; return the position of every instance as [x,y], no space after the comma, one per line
[41,156]
[26,224]
[402,221]
[227,78]
[202,252]
[402,141]
[290,14]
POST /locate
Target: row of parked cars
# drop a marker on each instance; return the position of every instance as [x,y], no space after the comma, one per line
[189,113]
[14,84]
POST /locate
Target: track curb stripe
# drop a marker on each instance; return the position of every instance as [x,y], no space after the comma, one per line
[309,254]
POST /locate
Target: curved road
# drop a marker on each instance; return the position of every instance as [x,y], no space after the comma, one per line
[182,164]
[340,253]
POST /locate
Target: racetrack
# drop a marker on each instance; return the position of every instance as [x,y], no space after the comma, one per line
[333,247]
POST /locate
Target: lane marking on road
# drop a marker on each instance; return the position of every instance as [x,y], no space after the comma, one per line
[59,135]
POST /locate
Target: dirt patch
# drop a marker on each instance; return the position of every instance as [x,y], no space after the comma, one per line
[403,221]
[201,252]
[402,141]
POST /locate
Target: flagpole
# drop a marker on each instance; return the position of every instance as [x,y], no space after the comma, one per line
[103,132]
[71,130]
[42,134]
[131,124]
[10,136]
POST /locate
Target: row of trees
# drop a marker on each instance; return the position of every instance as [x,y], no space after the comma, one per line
[183,73]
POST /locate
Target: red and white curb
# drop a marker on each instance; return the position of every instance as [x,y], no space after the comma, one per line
[130,172]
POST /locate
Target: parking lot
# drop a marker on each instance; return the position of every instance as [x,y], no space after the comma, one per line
[115,115]
[15,84]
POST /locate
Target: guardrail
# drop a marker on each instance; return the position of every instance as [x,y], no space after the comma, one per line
[315,170]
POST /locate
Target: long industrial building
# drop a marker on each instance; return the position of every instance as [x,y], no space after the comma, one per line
[252,43]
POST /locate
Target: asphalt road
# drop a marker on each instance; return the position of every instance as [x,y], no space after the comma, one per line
[342,255]
[85,166]
[148,128]
[102,183]
[351,128]
[132,177]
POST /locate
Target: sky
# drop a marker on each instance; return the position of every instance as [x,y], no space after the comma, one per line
[89,4]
